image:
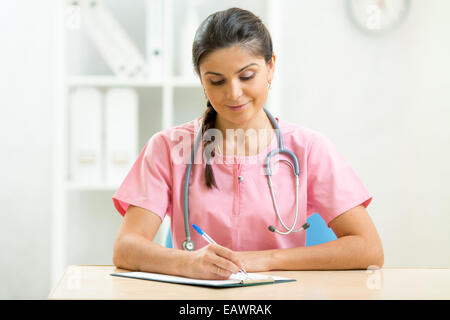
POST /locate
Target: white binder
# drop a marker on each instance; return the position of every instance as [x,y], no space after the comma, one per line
[155,9]
[121,133]
[85,122]
[111,40]
[190,24]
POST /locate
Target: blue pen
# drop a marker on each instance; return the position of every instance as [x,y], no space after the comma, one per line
[210,240]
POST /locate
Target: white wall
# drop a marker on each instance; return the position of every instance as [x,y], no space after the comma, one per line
[385,102]
[25,170]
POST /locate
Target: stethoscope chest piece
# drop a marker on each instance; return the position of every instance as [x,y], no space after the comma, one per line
[188,245]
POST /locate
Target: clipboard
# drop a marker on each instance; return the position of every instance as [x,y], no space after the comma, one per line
[235,280]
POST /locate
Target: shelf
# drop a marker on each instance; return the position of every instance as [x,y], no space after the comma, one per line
[186,82]
[77,186]
[113,81]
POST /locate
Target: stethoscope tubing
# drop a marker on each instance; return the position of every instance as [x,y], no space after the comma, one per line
[188,244]
[186,184]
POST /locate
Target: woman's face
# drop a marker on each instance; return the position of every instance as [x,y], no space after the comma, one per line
[233,77]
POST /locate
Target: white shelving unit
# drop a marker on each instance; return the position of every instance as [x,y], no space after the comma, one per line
[84,220]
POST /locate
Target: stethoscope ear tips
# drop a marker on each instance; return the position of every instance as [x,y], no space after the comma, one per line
[304,227]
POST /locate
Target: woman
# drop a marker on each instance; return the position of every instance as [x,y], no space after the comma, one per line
[229,197]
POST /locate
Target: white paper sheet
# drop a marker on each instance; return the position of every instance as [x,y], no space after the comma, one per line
[236,278]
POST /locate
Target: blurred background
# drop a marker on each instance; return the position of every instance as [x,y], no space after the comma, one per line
[374,76]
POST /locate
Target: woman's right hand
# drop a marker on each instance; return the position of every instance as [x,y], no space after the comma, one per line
[212,262]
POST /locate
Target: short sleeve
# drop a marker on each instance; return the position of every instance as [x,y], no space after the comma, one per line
[333,186]
[148,183]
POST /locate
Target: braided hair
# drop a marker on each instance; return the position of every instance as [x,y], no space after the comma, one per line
[209,121]
[220,30]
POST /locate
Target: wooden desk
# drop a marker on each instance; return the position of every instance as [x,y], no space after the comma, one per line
[95,282]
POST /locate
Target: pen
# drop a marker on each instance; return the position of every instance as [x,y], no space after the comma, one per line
[210,240]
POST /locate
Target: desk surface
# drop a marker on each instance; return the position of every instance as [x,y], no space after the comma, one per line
[95,282]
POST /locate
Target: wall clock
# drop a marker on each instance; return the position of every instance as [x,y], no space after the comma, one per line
[376,17]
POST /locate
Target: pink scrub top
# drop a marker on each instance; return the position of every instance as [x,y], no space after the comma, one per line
[238,213]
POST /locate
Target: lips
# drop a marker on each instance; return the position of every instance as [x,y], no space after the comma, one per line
[238,107]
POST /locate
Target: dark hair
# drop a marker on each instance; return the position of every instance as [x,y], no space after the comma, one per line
[221,30]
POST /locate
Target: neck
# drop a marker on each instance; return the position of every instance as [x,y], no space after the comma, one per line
[259,121]
[249,138]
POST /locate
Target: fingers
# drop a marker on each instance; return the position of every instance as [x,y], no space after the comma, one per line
[227,254]
[224,266]
[224,260]
[220,273]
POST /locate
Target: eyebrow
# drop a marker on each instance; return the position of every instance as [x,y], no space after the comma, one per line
[219,74]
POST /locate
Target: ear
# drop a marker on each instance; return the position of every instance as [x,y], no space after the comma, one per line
[271,68]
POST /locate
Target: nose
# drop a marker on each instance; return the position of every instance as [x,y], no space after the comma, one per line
[234,91]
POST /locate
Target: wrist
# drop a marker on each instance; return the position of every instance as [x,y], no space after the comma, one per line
[277,259]
[271,259]
[183,262]
[256,261]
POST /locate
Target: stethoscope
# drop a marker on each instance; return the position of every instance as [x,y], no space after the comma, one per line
[189,244]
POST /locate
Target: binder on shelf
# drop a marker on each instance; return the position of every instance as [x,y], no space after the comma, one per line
[111,40]
[189,28]
[85,147]
[155,14]
[121,135]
